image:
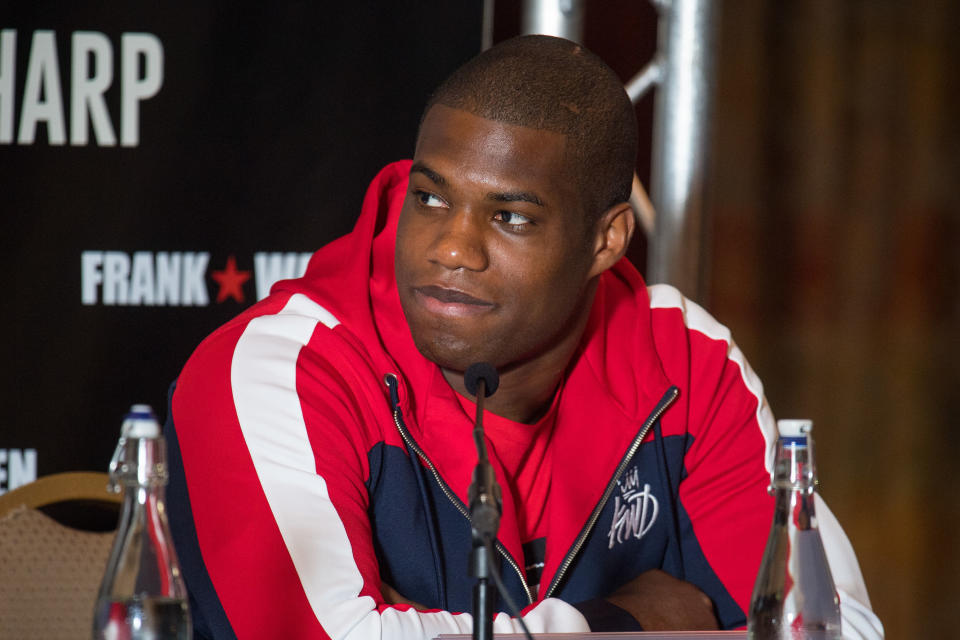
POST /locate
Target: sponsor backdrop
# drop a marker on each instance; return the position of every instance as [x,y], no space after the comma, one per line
[161,166]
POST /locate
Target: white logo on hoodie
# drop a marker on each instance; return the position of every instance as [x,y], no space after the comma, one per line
[634,510]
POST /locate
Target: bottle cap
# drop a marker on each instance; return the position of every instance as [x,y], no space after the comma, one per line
[140,423]
[794,428]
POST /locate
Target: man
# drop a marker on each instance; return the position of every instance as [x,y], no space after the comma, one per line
[321,444]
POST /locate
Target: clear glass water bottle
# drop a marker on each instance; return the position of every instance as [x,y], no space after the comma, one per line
[794,597]
[142,595]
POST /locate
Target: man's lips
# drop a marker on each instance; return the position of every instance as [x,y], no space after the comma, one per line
[445,301]
[451,295]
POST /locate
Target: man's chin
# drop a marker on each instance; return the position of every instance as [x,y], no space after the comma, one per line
[451,355]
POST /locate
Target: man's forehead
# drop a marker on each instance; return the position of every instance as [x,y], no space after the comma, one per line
[455,140]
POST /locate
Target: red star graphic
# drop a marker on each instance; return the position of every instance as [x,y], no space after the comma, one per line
[231,281]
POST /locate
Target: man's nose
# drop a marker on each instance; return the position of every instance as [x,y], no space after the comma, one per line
[460,243]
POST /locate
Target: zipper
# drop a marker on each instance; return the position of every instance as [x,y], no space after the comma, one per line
[665,402]
[391,381]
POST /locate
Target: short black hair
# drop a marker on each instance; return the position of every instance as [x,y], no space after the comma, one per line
[550,83]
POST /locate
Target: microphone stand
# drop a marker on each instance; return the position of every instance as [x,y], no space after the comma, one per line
[485,509]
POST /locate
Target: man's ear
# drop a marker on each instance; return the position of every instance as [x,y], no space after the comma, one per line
[612,235]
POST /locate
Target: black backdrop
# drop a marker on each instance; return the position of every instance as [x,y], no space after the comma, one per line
[257,146]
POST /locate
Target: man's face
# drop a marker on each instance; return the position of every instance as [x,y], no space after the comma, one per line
[492,258]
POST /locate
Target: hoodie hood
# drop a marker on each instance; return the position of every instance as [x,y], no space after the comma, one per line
[354,277]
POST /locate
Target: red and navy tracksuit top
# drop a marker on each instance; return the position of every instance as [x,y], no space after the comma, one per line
[315,453]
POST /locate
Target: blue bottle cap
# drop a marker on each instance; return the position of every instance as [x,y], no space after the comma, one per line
[140,423]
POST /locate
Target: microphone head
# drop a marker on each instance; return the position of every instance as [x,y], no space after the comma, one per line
[484,371]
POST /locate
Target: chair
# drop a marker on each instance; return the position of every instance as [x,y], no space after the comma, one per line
[49,572]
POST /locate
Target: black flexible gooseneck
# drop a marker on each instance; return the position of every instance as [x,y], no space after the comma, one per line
[486,505]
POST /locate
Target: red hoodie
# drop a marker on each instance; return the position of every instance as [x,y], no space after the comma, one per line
[315,453]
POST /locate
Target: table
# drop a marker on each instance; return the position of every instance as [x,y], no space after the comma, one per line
[619,635]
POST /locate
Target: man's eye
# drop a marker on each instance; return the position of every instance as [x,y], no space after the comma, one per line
[429,200]
[516,221]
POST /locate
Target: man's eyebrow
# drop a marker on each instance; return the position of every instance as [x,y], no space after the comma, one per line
[419,167]
[496,196]
[515,196]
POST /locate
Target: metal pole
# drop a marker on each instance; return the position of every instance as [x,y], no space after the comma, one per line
[563,18]
[486,37]
[686,50]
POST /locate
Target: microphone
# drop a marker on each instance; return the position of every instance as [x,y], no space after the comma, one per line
[486,505]
[481,371]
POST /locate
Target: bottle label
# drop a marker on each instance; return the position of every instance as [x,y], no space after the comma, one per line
[791,441]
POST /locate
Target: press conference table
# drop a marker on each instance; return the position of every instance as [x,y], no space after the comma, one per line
[625,635]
